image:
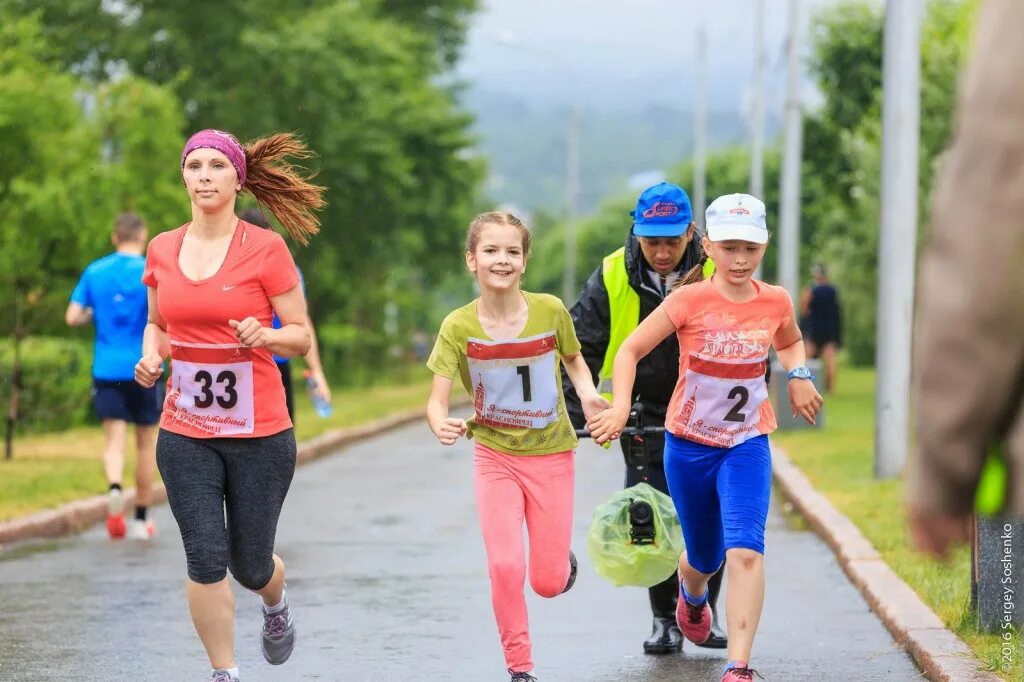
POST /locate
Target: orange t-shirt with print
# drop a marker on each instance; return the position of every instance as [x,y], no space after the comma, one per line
[216,387]
[721,398]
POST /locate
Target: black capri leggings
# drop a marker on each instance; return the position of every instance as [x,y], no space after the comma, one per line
[241,480]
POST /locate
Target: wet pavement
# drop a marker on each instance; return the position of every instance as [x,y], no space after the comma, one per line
[388,582]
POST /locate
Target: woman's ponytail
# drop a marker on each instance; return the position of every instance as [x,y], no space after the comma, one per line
[280,187]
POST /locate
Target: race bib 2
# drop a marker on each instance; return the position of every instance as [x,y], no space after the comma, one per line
[722,402]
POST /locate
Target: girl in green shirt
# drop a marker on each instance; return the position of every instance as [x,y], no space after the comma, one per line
[506,347]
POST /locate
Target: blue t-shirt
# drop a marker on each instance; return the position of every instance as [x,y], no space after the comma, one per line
[277,323]
[112,286]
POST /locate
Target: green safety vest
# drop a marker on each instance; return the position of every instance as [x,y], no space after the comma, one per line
[623,310]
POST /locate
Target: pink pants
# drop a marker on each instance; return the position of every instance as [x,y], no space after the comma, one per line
[510,488]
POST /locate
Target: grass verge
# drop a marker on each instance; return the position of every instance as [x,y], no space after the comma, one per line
[838,461]
[51,469]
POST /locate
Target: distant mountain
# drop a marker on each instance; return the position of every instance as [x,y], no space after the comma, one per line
[525,144]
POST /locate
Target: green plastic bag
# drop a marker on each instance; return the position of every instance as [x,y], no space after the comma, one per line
[629,553]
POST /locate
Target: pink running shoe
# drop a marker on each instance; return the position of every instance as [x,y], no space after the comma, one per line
[741,673]
[694,621]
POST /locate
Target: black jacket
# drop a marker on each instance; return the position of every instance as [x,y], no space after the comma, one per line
[657,373]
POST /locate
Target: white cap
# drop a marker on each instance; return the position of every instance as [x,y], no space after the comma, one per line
[736,216]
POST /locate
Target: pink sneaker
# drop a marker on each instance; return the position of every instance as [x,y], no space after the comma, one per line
[694,621]
[741,673]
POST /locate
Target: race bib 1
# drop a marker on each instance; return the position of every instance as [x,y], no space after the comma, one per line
[514,381]
[722,402]
[211,388]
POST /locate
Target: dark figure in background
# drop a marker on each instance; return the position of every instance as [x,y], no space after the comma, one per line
[312,358]
[625,289]
[819,306]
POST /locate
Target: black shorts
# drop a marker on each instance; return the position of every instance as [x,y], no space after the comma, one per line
[127,401]
[286,379]
[823,337]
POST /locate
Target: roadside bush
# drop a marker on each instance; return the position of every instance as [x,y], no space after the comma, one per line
[56,383]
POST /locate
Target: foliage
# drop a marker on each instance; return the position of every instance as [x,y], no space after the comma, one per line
[56,384]
[842,151]
[75,156]
[840,207]
[98,97]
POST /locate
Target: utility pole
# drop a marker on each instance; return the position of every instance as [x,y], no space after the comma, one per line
[572,182]
[897,243]
[792,155]
[700,127]
[756,187]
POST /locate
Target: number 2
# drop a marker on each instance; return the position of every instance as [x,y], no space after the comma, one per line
[524,372]
[734,414]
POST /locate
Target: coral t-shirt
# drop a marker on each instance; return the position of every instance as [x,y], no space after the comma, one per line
[216,387]
[721,398]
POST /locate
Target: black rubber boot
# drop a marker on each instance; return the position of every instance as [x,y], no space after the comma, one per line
[665,635]
[717,639]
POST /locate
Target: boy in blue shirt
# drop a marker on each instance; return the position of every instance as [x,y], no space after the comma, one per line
[111,295]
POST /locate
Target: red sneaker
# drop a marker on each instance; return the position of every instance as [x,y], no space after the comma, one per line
[694,621]
[741,673]
[116,526]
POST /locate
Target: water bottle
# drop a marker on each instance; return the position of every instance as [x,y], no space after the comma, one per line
[323,408]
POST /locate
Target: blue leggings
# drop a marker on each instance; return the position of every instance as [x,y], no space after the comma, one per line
[721,496]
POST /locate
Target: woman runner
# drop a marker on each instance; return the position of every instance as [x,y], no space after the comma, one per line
[226,448]
[717,460]
[506,347]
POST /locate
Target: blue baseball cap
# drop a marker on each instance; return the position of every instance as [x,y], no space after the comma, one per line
[662,210]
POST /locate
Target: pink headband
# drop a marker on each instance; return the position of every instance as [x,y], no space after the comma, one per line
[222,142]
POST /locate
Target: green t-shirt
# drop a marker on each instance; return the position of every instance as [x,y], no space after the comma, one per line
[516,383]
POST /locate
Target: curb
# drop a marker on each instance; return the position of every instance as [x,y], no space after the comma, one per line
[75,517]
[941,655]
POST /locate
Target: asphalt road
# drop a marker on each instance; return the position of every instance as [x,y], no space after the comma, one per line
[387,580]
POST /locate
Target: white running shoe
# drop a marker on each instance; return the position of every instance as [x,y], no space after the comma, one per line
[141,530]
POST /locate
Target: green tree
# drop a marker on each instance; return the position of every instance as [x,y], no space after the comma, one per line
[73,158]
[360,82]
[842,157]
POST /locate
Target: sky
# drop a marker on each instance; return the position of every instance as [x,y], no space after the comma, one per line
[627,54]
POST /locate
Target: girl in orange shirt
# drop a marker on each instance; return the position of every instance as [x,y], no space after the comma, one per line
[717,460]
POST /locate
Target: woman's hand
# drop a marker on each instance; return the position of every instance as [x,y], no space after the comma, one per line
[607,425]
[251,333]
[450,430]
[148,370]
[804,399]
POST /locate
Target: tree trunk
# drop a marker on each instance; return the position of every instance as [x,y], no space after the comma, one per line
[12,411]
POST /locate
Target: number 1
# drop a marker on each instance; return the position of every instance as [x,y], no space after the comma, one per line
[524,372]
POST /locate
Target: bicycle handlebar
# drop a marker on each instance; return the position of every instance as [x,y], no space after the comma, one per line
[628,431]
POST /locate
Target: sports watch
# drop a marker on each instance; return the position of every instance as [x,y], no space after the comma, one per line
[801,372]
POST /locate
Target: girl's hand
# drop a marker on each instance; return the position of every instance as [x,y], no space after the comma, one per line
[450,430]
[148,369]
[607,425]
[251,333]
[804,399]
[594,404]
